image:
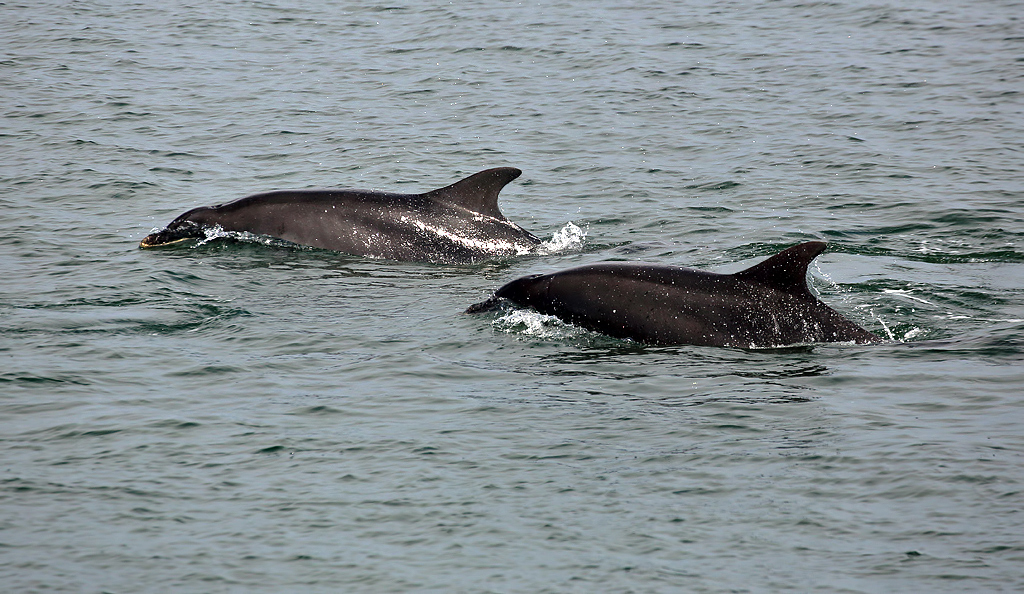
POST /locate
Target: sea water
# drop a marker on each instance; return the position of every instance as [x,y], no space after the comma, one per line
[259,417]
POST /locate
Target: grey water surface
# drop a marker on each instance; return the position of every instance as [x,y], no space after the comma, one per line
[259,417]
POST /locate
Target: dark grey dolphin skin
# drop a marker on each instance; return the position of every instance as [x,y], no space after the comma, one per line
[767,305]
[460,223]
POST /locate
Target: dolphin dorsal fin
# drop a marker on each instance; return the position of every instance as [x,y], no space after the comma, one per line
[787,270]
[478,192]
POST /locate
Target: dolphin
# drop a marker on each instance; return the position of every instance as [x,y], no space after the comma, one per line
[767,305]
[460,223]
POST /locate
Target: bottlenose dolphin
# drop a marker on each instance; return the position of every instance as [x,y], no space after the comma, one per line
[460,223]
[766,305]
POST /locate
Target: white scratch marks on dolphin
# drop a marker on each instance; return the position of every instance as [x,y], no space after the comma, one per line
[491,246]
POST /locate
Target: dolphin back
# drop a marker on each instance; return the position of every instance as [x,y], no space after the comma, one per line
[459,223]
[766,305]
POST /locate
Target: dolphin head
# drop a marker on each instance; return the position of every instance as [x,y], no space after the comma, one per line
[176,232]
[525,291]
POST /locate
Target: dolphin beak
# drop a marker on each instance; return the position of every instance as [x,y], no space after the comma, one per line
[171,235]
[488,305]
[162,239]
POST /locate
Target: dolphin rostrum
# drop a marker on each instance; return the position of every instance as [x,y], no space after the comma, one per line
[460,223]
[766,305]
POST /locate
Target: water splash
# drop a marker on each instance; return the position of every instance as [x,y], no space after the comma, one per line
[569,238]
[885,326]
[213,233]
[529,323]
[913,333]
[217,232]
[906,294]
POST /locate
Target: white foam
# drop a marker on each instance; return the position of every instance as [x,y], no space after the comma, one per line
[913,333]
[218,232]
[569,238]
[214,232]
[526,322]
